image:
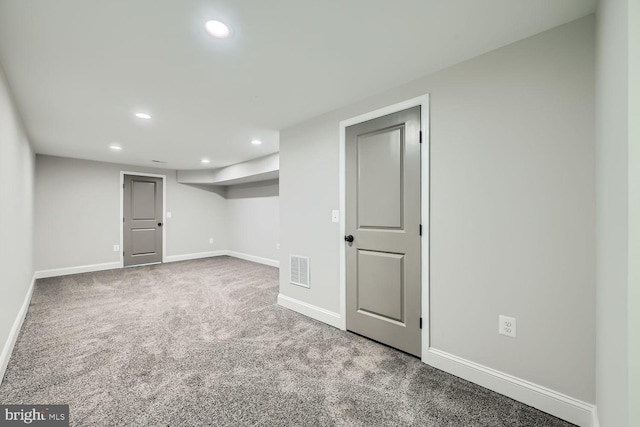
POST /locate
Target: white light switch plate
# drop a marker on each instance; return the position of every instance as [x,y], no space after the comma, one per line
[507,326]
[116,248]
[335,215]
[168,214]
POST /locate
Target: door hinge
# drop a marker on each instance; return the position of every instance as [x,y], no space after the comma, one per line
[421,229]
[420,137]
[421,323]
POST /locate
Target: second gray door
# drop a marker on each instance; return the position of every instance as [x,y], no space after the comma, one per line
[383,230]
[143,215]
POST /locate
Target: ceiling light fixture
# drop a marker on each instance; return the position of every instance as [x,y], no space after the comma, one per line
[115,147]
[143,116]
[205,161]
[217,29]
[256,142]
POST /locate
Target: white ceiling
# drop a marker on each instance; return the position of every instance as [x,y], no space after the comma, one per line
[79,69]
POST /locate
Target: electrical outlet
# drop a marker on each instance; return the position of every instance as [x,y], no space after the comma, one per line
[116,248]
[278,245]
[211,240]
[507,326]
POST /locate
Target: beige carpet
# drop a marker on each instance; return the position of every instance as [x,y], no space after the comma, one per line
[202,343]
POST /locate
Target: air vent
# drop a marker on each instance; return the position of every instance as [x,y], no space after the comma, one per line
[158,161]
[299,270]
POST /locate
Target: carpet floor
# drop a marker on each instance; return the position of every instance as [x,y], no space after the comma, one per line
[203,343]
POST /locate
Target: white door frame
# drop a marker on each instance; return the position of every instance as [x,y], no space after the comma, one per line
[164,212]
[423,102]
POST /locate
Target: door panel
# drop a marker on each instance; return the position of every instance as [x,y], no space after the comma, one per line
[143,217]
[383,216]
[380,180]
[143,200]
[381,284]
[143,241]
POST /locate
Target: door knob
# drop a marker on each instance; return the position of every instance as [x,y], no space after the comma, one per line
[159,224]
[348,238]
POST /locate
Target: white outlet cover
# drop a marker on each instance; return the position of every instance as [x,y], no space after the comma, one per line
[116,248]
[507,326]
[168,214]
[278,245]
[210,239]
[335,215]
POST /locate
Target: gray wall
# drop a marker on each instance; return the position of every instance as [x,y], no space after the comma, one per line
[612,213]
[253,219]
[77,219]
[634,212]
[16,216]
[513,206]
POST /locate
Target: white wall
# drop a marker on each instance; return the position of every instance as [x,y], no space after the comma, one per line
[16,216]
[253,219]
[77,219]
[612,213]
[512,206]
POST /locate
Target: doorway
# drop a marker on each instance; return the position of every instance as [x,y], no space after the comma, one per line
[384,218]
[143,202]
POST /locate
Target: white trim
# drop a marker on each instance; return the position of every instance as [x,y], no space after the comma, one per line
[595,420]
[317,313]
[164,212]
[42,274]
[342,197]
[7,349]
[542,398]
[423,102]
[253,258]
[186,257]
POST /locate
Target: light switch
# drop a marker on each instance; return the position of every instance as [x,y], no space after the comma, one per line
[335,215]
[168,214]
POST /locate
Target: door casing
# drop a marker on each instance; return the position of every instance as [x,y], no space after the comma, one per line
[164,212]
[422,101]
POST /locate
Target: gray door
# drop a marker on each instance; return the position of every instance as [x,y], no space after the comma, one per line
[142,220]
[383,229]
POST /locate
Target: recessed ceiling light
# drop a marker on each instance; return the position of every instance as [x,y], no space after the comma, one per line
[205,161]
[256,142]
[217,29]
[143,116]
[115,147]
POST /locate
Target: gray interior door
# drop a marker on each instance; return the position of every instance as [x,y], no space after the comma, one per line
[142,220]
[383,230]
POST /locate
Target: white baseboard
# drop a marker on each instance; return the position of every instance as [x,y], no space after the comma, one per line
[186,257]
[43,274]
[253,258]
[552,402]
[595,422]
[317,313]
[7,349]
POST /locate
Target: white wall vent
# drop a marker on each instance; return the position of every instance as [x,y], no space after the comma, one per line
[299,270]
